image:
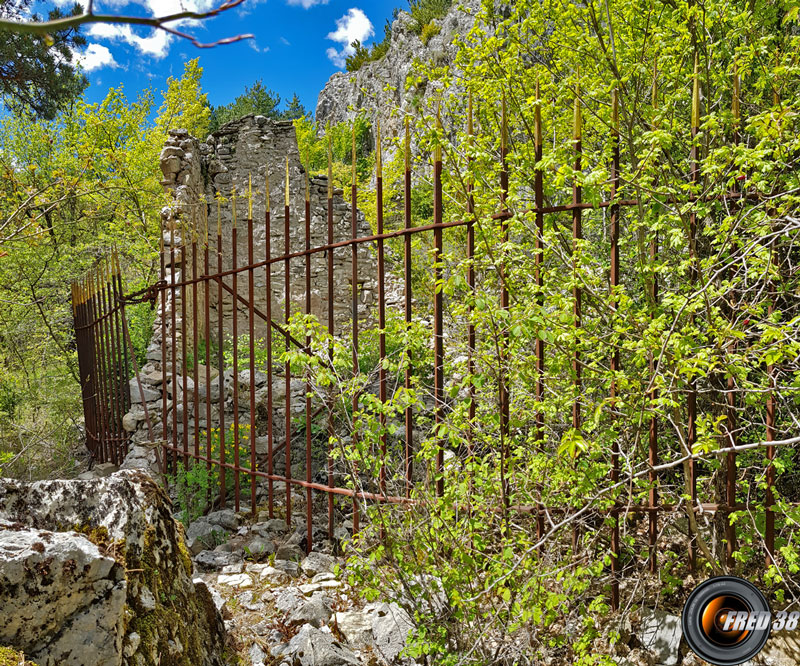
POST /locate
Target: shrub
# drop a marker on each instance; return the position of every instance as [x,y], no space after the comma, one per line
[430,30]
[425,11]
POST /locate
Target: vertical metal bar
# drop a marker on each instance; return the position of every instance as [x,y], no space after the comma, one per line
[577,234]
[129,345]
[502,387]
[97,393]
[184,343]
[268,289]
[111,361]
[235,334]
[105,359]
[173,338]
[691,434]
[102,367]
[94,369]
[381,306]
[309,498]
[86,365]
[91,376]
[472,292]
[331,324]
[251,321]
[83,361]
[577,292]
[730,489]
[207,332]
[438,312]
[769,527]
[652,528]
[163,295]
[195,341]
[615,360]
[409,414]
[538,193]
[221,359]
[288,368]
[126,371]
[354,315]
[121,360]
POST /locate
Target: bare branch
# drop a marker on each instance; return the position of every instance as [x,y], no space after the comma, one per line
[157,22]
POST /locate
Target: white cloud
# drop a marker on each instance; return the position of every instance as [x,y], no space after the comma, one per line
[255,47]
[94,57]
[305,4]
[156,45]
[351,27]
[285,41]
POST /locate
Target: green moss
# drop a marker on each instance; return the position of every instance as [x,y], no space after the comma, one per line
[186,558]
[100,537]
[10,657]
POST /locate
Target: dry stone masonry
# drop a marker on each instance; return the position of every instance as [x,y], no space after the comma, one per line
[197,175]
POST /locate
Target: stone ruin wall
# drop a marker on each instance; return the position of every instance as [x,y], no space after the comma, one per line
[195,172]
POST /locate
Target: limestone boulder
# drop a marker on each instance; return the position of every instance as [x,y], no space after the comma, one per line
[106,565]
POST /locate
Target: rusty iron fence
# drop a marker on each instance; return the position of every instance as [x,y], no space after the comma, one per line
[105,369]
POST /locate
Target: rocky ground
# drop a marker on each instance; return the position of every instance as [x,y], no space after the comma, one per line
[283,606]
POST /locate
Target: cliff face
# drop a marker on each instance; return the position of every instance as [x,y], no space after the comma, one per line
[380,87]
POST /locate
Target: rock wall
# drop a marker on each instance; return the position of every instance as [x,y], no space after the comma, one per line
[379,87]
[196,174]
[97,572]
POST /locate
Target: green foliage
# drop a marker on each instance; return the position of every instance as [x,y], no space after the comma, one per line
[73,189]
[314,149]
[428,31]
[140,328]
[39,75]
[424,12]
[184,105]
[197,483]
[194,487]
[710,324]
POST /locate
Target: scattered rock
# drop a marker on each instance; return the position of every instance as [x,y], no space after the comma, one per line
[240,581]
[314,611]
[213,560]
[316,647]
[289,552]
[390,628]
[315,563]
[356,627]
[227,519]
[660,633]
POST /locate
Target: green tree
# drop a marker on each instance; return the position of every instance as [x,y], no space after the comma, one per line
[294,109]
[256,99]
[37,72]
[184,104]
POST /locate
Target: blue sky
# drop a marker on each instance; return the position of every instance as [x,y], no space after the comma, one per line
[298,44]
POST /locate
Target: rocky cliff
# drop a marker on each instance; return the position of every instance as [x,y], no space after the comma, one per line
[379,87]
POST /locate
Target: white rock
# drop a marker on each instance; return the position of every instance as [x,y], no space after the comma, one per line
[240,581]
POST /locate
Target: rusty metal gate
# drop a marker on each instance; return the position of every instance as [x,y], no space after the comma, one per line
[105,369]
